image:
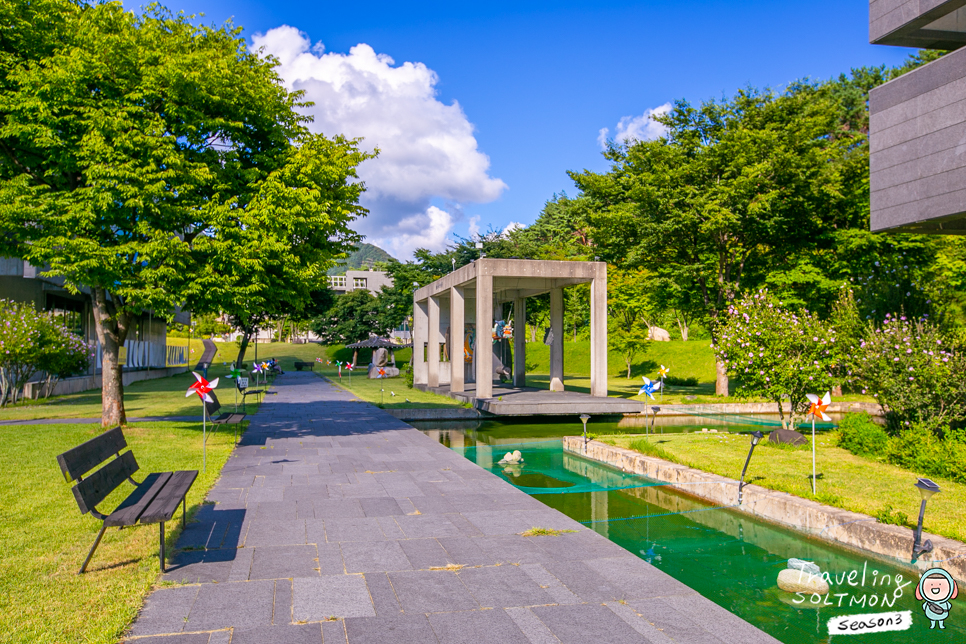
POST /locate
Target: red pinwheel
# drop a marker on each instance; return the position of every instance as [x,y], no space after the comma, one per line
[382,372]
[202,387]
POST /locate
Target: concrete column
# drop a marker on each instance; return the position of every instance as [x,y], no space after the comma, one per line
[457,331]
[420,337]
[484,343]
[598,334]
[520,342]
[432,347]
[556,348]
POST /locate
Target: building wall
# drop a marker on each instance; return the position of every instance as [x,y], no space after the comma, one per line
[915,23]
[373,281]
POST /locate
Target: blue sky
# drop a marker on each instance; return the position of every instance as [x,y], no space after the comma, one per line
[537,81]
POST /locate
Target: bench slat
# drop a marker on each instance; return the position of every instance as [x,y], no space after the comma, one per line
[96,487]
[77,461]
[134,506]
[164,505]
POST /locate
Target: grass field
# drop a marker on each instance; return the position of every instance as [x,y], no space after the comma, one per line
[847,481]
[44,538]
[166,396]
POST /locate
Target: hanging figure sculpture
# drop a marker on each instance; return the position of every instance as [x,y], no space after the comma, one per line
[502,353]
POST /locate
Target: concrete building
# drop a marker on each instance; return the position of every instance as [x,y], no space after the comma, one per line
[145,353]
[917,122]
[454,318]
[372,281]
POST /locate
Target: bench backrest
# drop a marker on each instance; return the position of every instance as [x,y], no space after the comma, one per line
[76,462]
[213,406]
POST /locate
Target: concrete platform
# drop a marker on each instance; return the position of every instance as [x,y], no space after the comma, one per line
[527,401]
[334,522]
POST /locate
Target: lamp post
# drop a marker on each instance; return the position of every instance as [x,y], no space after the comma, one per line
[926,489]
[479,247]
[654,413]
[755,437]
[584,418]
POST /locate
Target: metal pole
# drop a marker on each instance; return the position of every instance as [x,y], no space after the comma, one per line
[918,541]
[204,436]
[813,456]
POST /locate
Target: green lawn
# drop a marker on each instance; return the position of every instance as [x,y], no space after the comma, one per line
[44,538]
[849,482]
[166,396]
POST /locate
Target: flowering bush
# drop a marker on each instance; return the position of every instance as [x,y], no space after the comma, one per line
[914,372]
[776,354]
[32,341]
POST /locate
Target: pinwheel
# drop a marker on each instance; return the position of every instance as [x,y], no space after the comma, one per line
[663,371]
[649,388]
[202,387]
[817,409]
[257,369]
[382,372]
[235,373]
[339,363]
[349,367]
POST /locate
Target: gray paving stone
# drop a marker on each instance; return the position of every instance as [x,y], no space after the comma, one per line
[334,632]
[503,587]
[383,596]
[465,551]
[187,638]
[330,559]
[427,525]
[380,507]
[398,629]
[280,562]
[635,578]
[338,509]
[425,553]
[164,611]
[291,634]
[200,566]
[531,626]
[675,626]
[273,532]
[374,556]
[472,627]
[243,604]
[717,620]
[241,565]
[577,624]
[319,599]
[431,591]
[365,529]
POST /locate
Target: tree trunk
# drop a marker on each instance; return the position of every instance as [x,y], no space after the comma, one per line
[355,357]
[721,381]
[533,333]
[683,326]
[246,337]
[112,327]
[781,414]
[628,369]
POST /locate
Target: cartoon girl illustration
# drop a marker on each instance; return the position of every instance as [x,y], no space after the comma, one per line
[936,589]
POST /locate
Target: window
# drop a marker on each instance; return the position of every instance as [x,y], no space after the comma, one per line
[337,281]
[358,282]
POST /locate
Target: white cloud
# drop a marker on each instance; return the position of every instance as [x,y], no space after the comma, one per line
[637,128]
[474,226]
[427,149]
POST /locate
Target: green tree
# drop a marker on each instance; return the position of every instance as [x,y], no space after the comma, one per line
[352,318]
[158,163]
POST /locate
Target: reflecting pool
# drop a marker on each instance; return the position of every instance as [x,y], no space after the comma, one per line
[729,558]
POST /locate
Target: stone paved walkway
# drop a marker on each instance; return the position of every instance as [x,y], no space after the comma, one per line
[334,522]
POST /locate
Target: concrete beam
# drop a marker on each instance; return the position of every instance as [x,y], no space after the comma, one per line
[432,346]
[420,338]
[556,347]
[598,335]
[519,342]
[484,347]
[457,331]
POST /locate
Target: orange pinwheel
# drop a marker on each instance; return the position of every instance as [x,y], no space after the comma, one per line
[818,407]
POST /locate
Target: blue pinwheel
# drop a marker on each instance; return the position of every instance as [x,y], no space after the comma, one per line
[649,388]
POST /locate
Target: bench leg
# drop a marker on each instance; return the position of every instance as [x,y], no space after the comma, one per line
[161,550]
[90,554]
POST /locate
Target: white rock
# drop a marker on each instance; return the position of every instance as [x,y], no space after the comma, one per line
[796,581]
[658,334]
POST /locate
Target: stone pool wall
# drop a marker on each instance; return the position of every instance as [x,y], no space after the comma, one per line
[852,529]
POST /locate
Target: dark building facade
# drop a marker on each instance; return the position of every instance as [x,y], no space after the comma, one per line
[917,122]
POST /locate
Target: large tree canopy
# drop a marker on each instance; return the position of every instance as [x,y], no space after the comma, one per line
[156,163]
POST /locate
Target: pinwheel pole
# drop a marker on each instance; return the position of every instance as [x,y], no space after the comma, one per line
[202,387]
[817,408]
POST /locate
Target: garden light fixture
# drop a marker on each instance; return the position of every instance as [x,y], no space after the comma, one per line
[926,489]
[584,418]
[756,436]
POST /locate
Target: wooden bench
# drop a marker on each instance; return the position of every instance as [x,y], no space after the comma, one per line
[155,500]
[227,418]
[302,365]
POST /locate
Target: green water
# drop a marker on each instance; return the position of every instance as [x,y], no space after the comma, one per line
[729,558]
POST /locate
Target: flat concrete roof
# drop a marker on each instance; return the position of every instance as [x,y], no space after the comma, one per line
[513,278]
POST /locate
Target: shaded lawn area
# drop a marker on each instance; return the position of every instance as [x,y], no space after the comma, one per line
[166,396]
[44,538]
[848,481]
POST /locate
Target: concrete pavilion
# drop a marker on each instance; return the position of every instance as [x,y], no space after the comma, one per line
[459,310]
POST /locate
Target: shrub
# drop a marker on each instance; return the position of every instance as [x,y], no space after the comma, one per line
[914,372]
[775,352]
[674,381]
[859,434]
[919,449]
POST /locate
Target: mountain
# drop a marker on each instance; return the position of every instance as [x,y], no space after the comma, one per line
[364,256]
